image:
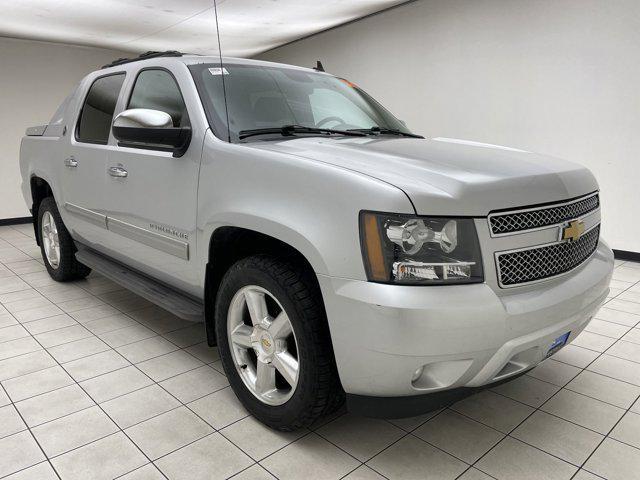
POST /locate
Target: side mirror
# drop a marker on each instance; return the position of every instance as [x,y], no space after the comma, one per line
[150,129]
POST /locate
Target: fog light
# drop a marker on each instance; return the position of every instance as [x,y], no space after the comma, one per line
[417,374]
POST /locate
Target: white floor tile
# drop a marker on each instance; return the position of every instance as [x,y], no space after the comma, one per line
[41,471]
[35,383]
[528,390]
[512,459]
[412,458]
[194,384]
[605,388]
[195,461]
[558,437]
[52,405]
[257,440]
[146,472]
[138,406]
[48,324]
[493,410]
[583,410]
[168,432]
[62,335]
[115,454]
[618,368]
[26,363]
[614,461]
[126,335]
[116,383]
[94,365]
[78,349]
[169,365]
[310,454]
[628,430]
[458,435]
[146,349]
[552,371]
[220,408]
[364,473]
[19,451]
[74,430]
[10,421]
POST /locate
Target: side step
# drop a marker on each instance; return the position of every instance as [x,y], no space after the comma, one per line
[167,298]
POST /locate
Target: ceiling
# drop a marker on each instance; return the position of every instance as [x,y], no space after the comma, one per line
[247,27]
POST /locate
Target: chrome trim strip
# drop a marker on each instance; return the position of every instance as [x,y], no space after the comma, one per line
[151,239]
[532,209]
[93,217]
[536,247]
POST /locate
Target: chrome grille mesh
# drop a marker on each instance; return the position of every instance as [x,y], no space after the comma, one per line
[544,262]
[542,217]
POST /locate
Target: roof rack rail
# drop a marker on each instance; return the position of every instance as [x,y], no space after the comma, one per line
[144,56]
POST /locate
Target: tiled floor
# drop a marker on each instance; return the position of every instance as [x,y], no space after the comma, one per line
[97,383]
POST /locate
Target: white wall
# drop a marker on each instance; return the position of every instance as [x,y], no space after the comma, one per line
[35,77]
[560,77]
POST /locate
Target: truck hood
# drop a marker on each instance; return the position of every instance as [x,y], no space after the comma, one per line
[448,176]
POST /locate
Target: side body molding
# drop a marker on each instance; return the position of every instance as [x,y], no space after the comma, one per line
[150,238]
[94,217]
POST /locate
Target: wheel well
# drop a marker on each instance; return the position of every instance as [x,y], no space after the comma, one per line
[40,190]
[230,244]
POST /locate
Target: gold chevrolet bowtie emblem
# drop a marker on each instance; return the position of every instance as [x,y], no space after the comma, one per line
[266,343]
[573,230]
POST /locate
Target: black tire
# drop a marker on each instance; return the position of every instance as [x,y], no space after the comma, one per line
[68,268]
[318,391]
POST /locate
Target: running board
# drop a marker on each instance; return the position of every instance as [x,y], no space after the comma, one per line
[167,298]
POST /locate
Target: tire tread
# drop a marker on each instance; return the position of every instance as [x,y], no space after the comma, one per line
[295,279]
[69,268]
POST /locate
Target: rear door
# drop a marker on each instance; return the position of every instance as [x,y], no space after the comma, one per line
[82,201]
[152,210]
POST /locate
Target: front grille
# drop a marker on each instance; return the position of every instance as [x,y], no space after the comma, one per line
[538,263]
[532,218]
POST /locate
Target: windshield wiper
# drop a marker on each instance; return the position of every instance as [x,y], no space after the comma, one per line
[291,130]
[384,131]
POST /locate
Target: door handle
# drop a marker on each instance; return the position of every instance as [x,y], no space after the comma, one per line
[70,162]
[118,171]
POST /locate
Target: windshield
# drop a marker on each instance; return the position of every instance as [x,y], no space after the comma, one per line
[261,97]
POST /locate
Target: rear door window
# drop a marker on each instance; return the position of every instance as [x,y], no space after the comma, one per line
[97,111]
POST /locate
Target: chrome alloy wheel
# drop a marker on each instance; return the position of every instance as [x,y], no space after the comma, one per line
[263,345]
[50,239]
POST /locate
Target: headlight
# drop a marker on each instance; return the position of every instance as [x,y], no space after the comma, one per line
[415,250]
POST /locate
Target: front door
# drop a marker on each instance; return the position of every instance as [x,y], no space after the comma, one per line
[82,196]
[151,195]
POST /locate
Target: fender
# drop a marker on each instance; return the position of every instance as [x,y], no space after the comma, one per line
[263,225]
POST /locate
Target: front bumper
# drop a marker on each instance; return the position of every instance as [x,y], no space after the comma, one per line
[462,336]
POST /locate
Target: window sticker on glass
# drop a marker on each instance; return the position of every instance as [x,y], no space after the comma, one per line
[218,71]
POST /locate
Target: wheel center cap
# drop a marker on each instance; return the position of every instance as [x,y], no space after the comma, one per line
[266,342]
[263,343]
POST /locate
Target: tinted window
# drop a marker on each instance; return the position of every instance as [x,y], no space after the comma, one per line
[260,97]
[157,90]
[98,108]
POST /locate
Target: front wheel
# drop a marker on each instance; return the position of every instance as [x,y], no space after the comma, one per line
[274,342]
[57,246]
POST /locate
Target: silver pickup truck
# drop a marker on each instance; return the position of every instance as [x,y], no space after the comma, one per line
[332,253]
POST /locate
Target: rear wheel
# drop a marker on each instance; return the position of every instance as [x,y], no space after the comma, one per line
[57,246]
[274,342]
